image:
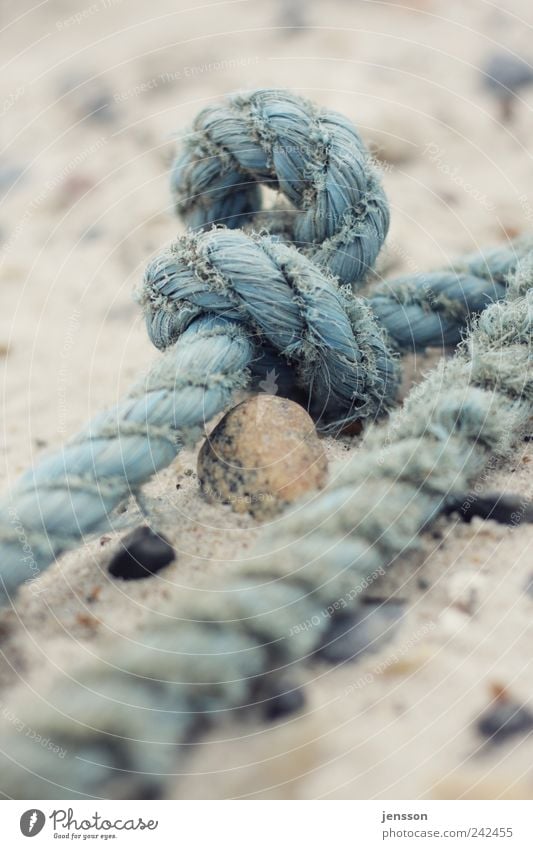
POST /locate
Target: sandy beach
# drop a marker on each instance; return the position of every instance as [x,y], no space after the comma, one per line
[93,101]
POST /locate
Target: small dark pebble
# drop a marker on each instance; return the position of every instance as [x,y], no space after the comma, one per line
[283,703]
[529,585]
[504,73]
[506,509]
[142,553]
[148,790]
[504,76]
[503,719]
[374,600]
[423,583]
[89,98]
[351,635]
[353,429]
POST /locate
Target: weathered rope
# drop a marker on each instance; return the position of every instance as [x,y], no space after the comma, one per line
[432,309]
[73,491]
[123,722]
[315,158]
[288,306]
[231,305]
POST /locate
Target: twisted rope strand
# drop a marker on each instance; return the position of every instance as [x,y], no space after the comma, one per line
[432,309]
[322,330]
[313,156]
[123,722]
[71,492]
[228,306]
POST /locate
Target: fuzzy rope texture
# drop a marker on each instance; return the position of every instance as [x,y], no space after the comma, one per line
[124,720]
[313,156]
[432,309]
[288,307]
[229,307]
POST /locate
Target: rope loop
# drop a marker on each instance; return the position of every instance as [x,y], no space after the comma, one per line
[313,156]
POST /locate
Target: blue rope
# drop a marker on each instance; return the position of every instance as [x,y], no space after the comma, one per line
[229,307]
[313,156]
[432,309]
[224,306]
[126,720]
[325,334]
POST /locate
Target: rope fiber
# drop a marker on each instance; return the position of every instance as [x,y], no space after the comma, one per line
[124,720]
[225,306]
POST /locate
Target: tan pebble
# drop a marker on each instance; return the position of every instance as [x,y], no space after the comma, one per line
[262,455]
[498,691]
[87,620]
[511,231]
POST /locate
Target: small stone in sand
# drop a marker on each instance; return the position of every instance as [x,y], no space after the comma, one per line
[529,585]
[286,701]
[264,454]
[365,630]
[141,554]
[504,75]
[507,509]
[504,719]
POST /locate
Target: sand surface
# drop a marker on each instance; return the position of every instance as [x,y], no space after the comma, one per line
[92,99]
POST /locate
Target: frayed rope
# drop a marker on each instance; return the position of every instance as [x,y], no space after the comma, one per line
[226,305]
[229,306]
[124,721]
[313,156]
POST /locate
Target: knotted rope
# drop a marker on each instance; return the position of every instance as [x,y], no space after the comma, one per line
[225,304]
[287,306]
[123,722]
[315,158]
[228,306]
[432,309]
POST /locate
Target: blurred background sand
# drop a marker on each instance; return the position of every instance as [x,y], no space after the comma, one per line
[93,98]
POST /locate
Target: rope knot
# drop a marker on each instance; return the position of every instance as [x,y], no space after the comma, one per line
[288,307]
[313,156]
